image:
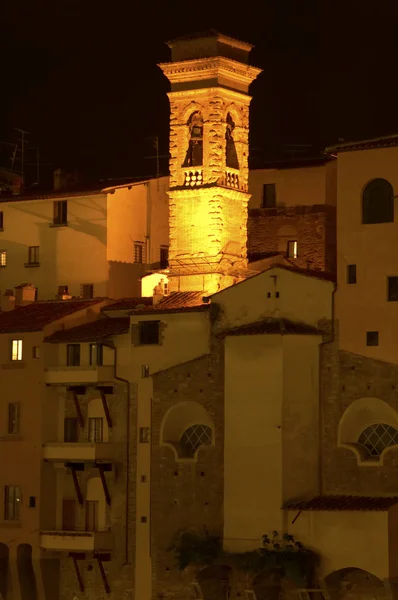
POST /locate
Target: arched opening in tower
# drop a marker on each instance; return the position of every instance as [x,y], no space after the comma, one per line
[194,155]
[231,154]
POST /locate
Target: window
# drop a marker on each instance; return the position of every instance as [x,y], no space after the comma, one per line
[12,503]
[269,195]
[372,338]
[14,411]
[73,355]
[378,202]
[36,352]
[63,290]
[138,252]
[351,273]
[16,350]
[149,332]
[393,289]
[144,435]
[96,354]
[87,290]
[32,501]
[193,437]
[1,220]
[92,515]
[164,257]
[60,212]
[376,438]
[33,255]
[292,248]
[71,429]
[3,258]
[95,429]
[145,371]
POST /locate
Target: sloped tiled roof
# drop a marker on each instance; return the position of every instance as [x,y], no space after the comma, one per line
[350,503]
[128,304]
[175,302]
[35,316]
[271,326]
[91,332]
[386,141]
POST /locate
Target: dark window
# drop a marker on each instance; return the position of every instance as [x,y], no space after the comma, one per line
[269,195]
[33,255]
[138,252]
[164,257]
[376,438]
[73,355]
[1,220]
[351,273]
[231,159]
[36,352]
[71,429]
[12,503]
[14,412]
[372,338]
[95,429]
[96,354]
[194,155]
[378,202]
[393,289]
[149,332]
[32,501]
[145,371]
[63,290]
[60,212]
[87,290]
[194,437]
[292,249]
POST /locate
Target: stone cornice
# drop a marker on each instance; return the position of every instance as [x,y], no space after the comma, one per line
[182,192]
[212,91]
[187,71]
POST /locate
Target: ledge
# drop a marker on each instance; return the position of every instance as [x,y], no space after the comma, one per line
[66,224]
[31,265]
[10,524]
[16,364]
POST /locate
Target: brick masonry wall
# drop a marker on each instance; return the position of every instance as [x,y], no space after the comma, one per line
[316,234]
[189,494]
[346,377]
[120,574]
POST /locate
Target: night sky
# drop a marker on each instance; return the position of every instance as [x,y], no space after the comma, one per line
[81,77]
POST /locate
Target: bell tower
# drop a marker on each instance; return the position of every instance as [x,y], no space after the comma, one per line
[209,126]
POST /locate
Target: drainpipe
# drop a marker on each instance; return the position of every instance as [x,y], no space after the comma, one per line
[148,224]
[126,381]
[320,412]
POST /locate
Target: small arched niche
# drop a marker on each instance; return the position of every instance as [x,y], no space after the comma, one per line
[97,426]
[186,428]
[95,506]
[369,427]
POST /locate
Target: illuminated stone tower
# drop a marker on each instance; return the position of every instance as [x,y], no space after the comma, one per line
[209,127]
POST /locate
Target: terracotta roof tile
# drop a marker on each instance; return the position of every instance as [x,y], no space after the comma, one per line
[271,326]
[91,332]
[53,195]
[349,503]
[35,316]
[128,304]
[386,141]
[175,302]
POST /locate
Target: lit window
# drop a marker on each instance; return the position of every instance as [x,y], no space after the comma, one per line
[95,429]
[376,438]
[16,350]
[3,258]
[33,255]
[13,417]
[12,503]
[292,248]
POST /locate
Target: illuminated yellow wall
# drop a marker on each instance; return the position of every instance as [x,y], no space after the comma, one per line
[363,306]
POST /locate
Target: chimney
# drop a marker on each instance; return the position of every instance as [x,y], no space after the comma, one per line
[64,180]
[8,300]
[63,293]
[158,293]
[25,294]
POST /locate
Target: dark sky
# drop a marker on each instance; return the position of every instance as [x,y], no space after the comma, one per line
[81,77]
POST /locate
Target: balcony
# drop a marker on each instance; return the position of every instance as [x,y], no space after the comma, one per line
[193,177]
[78,451]
[76,541]
[231,179]
[79,375]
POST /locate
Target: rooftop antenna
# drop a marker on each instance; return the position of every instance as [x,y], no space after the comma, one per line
[155,144]
[20,143]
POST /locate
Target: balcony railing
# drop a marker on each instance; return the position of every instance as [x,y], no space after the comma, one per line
[79,375]
[193,177]
[231,179]
[78,451]
[76,541]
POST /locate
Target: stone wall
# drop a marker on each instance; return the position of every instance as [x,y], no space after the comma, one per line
[120,570]
[314,228]
[186,494]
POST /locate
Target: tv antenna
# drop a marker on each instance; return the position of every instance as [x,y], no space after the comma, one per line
[155,145]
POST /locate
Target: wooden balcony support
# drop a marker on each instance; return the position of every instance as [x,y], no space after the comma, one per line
[101,558]
[76,556]
[102,468]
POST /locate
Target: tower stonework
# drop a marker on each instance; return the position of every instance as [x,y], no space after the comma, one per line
[209,127]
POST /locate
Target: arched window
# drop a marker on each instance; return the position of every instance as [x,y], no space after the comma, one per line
[378,202]
[376,438]
[194,155]
[230,149]
[194,437]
